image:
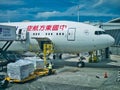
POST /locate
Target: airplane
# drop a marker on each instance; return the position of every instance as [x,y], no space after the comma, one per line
[66,36]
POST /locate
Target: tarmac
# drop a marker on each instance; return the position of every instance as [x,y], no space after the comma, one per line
[69,77]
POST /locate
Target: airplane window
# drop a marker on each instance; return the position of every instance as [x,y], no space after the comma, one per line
[46,33]
[96,33]
[56,33]
[33,33]
[59,33]
[62,33]
[51,34]
[99,32]
[104,32]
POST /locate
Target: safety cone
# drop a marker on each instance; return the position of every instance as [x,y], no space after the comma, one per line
[105,75]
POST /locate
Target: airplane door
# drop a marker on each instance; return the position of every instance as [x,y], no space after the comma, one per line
[21,34]
[71,34]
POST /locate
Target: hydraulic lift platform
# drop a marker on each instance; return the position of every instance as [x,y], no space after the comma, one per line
[7,37]
[46,46]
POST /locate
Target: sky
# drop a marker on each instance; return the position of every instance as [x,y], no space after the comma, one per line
[47,10]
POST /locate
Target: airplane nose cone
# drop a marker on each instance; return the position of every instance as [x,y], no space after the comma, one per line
[111,40]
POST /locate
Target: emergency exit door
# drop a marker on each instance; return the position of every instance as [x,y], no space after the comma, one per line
[71,34]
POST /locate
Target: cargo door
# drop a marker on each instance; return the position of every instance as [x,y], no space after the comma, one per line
[71,34]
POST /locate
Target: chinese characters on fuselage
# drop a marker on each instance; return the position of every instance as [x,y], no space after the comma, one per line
[46,27]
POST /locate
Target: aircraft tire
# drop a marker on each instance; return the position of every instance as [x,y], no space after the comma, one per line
[81,64]
[60,56]
[54,57]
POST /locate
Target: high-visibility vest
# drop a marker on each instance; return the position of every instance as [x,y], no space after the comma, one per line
[50,66]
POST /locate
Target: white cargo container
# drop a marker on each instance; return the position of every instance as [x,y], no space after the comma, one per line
[7,33]
[38,63]
[20,69]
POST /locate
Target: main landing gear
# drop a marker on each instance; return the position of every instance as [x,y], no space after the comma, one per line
[81,63]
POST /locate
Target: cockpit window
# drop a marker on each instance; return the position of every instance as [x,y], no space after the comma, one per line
[104,32]
[99,32]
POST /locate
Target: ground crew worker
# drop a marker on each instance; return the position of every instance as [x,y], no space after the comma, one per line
[49,66]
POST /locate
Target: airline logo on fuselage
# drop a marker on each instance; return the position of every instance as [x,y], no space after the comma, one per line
[55,27]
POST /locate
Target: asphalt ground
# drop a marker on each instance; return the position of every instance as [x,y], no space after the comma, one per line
[69,77]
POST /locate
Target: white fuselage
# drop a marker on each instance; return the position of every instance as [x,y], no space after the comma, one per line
[67,36]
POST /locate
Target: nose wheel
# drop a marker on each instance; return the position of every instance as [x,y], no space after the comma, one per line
[81,64]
